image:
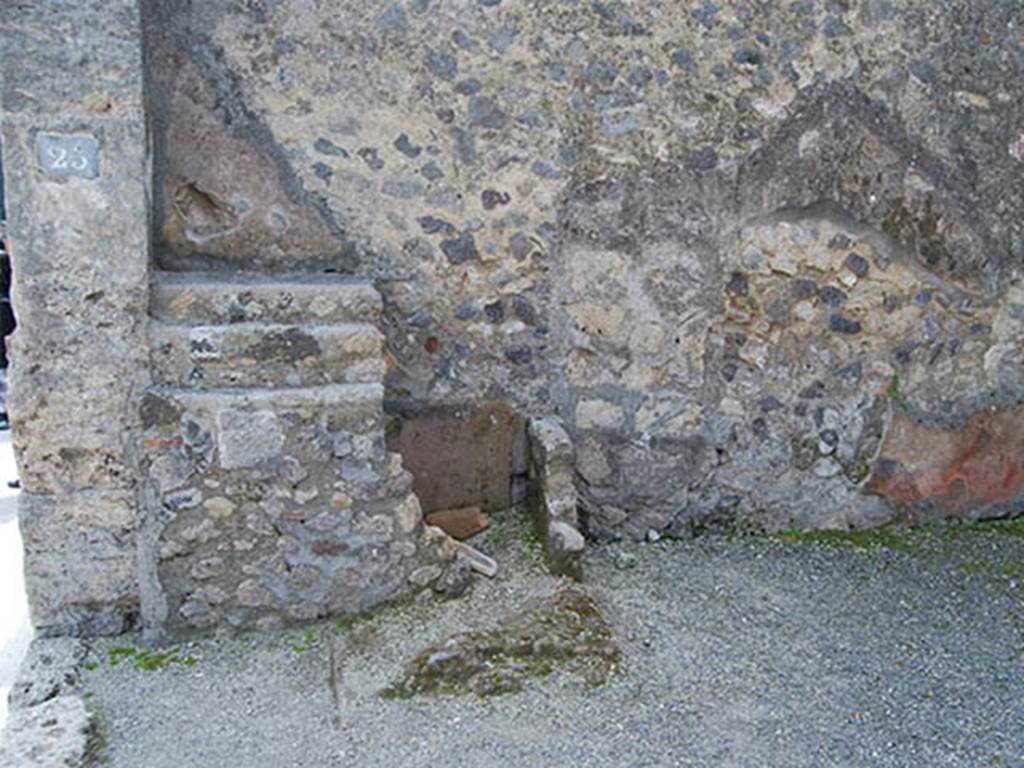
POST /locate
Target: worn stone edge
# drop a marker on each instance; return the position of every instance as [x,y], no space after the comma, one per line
[552,495]
[25,711]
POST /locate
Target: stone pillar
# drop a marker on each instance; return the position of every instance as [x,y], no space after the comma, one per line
[75,155]
[552,495]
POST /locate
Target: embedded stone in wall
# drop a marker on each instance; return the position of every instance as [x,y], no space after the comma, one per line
[245,437]
[552,495]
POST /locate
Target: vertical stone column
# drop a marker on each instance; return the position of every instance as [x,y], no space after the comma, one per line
[75,154]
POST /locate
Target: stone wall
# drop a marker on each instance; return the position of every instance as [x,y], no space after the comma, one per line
[728,243]
[761,259]
[78,242]
[270,496]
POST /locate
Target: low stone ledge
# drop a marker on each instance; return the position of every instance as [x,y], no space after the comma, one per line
[80,562]
[51,668]
[552,495]
[59,732]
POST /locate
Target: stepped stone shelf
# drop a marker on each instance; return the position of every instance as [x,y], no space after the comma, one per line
[194,297]
[271,497]
[265,354]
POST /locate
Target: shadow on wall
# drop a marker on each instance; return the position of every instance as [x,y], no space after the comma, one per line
[238,203]
[472,454]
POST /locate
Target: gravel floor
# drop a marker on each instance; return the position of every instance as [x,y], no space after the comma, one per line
[751,652]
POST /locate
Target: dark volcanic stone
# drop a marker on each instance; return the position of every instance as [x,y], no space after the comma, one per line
[748,55]
[464,145]
[328,147]
[495,312]
[922,70]
[442,65]
[432,226]
[832,297]
[841,324]
[468,87]
[406,147]
[431,171]
[738,284]
[703,160]
[802,288]
[685,61]
[492,198]
[524,310]
[460,249]
[519,354]
[857,264]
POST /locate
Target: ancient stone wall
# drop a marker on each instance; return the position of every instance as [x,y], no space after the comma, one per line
[269,494]
[761,259]
[71,80]
[728,243]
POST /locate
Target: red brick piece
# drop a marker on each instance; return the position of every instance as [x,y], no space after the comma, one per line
[459,523]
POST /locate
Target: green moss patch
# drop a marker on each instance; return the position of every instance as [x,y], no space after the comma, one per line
[876,538]
[147,660]
[565,629]
[1011,528]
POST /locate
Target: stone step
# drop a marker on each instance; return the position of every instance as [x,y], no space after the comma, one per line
[195,298]
[253,354]
[236,429]
[355,407]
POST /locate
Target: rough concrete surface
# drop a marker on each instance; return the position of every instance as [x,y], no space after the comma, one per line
[888,650]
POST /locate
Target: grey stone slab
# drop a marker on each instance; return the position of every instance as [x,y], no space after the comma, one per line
[56,733]
[80,561]
[206,298]
[51,668]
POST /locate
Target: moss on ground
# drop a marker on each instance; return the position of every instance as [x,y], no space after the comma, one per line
[566,628]
[903,537]
[875,538]
[1010,528]
[148,660]
[970,547]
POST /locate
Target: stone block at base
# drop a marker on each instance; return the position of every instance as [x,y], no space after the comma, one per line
[552,495]
[80,555]
[56,733]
